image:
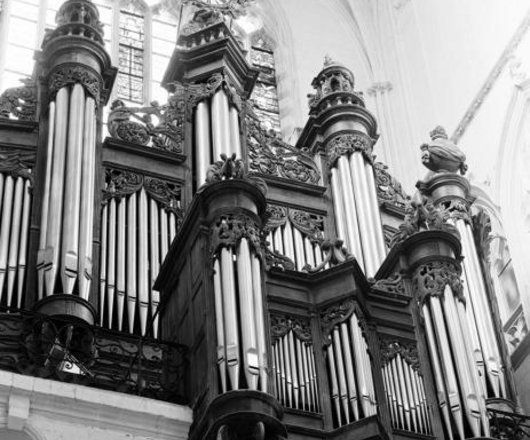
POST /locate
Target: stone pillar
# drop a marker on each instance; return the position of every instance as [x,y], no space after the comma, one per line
[347,131]
[78,76]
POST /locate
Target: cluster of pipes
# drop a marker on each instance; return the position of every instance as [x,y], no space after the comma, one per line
[217,132]
[289,241]
[239,319]
[357,217]
[66,229]
[463,348]
[136,232]
[15,206]
[294,370]
[406,396]
[350,373]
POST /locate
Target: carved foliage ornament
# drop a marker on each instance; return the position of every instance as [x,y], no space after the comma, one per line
[346,144]
[334,253]
[457,209]
[271,156]
[408,351]
[338,313]
[482,233]
[20,102]
[274,259]
[136,125]
[282,324]
[393,284]
[423,214]
[68,73]
[430,279]
[389,190]
[16,163]
[227,231]
[121,183]
[310,225]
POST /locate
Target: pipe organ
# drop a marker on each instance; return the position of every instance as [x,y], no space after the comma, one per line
[140,217]
[15,208]
[293,364]
[348,364]
[264,263]
[295,234]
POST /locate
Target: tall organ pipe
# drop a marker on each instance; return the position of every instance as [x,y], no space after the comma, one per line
[72,195]
[202,139]
[260,324]
[246,305]
[23,243]
[235,139]
[14,239]
[46,201]
[366,222]
[55,208]
[230,316]
[220,124]
[219,320]
[5,224]
[87,200]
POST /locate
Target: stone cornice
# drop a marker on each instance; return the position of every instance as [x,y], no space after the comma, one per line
[91,409]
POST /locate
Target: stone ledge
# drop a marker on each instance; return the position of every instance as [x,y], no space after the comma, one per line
[93,408]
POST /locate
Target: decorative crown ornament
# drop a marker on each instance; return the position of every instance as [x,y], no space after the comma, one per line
[442,155]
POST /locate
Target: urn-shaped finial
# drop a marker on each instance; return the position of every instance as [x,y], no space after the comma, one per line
[442,155]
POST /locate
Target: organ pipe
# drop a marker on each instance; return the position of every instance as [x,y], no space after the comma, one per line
[111,263]
[72,193]
[132,263]
[46,201]
[87,199]
[14,237]
[202,140]
[219,321]
[50,257]
[143,260]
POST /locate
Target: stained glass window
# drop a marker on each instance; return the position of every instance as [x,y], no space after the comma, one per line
[265,94]
[131,56]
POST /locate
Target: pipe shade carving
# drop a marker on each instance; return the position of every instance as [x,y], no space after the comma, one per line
[20,102]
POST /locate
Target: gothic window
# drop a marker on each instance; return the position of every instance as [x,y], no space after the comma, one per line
[265,94]
[139,35]
[131,55]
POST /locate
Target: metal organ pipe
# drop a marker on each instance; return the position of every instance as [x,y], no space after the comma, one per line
[111,263]
[154,254]
[5,225]
[103,261]
[366,222]
[202,141]
[121,271]
[351,215]
[220,124]
[219,320]
[50,256]
[72,195]
[132,288]
[87,199]
[246,304]
[478,299]
[260,322]
[230,316]
[13,239]
[374,210]
[23,246]
[235,139]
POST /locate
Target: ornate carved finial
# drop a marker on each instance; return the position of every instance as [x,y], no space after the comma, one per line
[442,155]
[79,18]
[224,169]
[438,133]
[328,61]
[335,254]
